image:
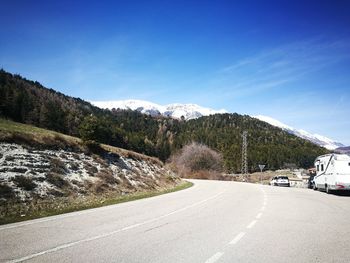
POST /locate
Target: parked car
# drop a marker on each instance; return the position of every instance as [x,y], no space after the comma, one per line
[280,181]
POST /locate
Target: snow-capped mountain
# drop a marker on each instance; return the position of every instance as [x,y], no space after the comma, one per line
[345,150]
[192,111]
[315,138]
[176,110]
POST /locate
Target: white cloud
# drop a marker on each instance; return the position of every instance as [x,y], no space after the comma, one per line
[275,67]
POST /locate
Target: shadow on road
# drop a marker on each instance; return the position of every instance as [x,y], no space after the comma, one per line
[345,193]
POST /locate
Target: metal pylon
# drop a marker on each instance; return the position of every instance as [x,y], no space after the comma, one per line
[244,153]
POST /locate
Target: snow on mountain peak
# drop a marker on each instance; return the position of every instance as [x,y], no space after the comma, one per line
[273,122]
[175,110]
[315,138]
[193,111]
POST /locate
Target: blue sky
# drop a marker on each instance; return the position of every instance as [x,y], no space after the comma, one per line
[286,59]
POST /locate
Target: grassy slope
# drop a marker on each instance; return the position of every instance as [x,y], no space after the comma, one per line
[15,132]
[26,134]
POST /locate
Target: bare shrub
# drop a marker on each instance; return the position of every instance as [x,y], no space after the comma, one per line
[6,191]
[57,166]
[63,156]
[20,170]
[57,180]
[195,158]
[100,161]
[10,158]
[74,166]
[24,182]
[99,187]
[107,176]
[91,170]
[76,156]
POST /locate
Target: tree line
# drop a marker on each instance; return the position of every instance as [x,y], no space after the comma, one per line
[29,102]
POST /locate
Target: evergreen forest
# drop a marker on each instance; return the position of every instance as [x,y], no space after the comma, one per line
[30,102]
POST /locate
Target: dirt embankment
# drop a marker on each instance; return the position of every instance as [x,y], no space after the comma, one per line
[33,179]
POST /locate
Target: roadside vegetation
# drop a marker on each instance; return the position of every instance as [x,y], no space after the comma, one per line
[20,211]
[29,102]
[44,173]
[197,161]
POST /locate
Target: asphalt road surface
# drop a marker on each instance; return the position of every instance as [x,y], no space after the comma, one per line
[212,221]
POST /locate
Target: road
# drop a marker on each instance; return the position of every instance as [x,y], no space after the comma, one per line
[210,222]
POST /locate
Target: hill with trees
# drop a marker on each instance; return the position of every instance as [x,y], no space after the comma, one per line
[29,102]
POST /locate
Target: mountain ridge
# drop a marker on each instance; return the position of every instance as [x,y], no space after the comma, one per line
[174,110]
[315,138]
[29,102]
[193,111]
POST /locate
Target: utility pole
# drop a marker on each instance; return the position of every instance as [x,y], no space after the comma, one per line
[244,154]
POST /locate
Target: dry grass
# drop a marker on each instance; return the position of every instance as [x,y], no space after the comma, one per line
[14,132]
[106,175]
[209,175]
[12,211]
[258,177]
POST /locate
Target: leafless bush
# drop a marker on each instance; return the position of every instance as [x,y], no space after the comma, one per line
[74,166]
[91,170]
[195,158]
[107,176]
[57,166]
[57,180]
[24,182]
[6,191]
[99,187]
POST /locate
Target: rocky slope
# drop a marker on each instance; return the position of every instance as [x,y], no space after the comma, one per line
[28,173]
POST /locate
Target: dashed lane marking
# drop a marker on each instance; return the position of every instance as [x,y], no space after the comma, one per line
[258,215]
[252,224]
[71,244]
[215,257]
[237,238]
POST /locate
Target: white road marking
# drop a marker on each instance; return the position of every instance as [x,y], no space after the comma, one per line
[52,218]
[56,217]
[259,215]
[252,224]
[215,257]
[263,208]
[71,244]
[237,238]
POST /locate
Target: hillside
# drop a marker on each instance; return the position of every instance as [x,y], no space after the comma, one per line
[266,144]
[314,138]
[29,102]
[193,111]
[39,166]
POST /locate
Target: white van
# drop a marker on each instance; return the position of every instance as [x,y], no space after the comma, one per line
[332,172]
